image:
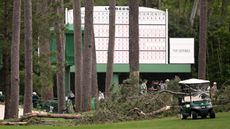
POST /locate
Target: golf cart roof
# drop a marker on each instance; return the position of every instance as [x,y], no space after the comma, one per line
[194,81]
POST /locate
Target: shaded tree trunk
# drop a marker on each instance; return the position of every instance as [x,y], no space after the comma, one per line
[224,7]
[148,3]
[87,57]
[110,58]
[194,10]
[6,59]
[202,39]
[159,4]
[152,3]
[45,67]
[78,54]
[6,70]
[134,43]
[219,55]
[28,57]
[94,70]
[60,56]
[14,90]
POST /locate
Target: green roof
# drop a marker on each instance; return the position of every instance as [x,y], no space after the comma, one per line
[146,68]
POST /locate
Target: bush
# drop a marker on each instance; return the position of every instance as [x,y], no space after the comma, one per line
[222,100]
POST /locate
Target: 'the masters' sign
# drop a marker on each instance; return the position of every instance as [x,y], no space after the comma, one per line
[182,50]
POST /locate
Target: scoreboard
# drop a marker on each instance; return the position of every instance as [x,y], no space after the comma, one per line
[153,34]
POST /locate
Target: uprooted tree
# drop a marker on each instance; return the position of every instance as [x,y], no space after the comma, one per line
[124,105]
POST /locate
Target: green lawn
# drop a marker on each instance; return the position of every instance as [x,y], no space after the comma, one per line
[221,122]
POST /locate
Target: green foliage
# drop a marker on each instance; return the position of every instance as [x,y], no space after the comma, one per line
[222,99]
[34,121]
[106,3]
[38,81]
[222,108]
[40,24]
[173,85]
[224,95]
[218,46]
[218,51]
[123,104]
[218,62]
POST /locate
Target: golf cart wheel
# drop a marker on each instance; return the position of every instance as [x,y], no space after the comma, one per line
[183,116]
[193,115]
[212,114]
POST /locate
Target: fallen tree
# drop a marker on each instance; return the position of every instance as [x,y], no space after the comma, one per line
[141,113]
[49,115]
[122,106]
[13,123]
[171,92]
[24,120]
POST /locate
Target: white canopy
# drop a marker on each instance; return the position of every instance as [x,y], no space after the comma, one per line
[193,81]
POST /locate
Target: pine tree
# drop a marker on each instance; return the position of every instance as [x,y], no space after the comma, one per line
[6,56]
[60,55]
[134,43]
[14,90]
[202,39]
[78,54]
[44,45]
[94,70]
[110,58]
[87,56]
[28,57]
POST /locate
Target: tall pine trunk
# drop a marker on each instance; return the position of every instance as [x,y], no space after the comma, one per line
[87,56]
[110,58]
[78,54]
[194,10]
[6,59]
[14,90]
[147,3]
[6,72]
[60,55]
[45,67]
[28,57]
[224,8]
[94,70]
[134,43]
[202,39]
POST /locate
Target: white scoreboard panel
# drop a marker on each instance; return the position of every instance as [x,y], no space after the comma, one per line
[153,34]
[182,51]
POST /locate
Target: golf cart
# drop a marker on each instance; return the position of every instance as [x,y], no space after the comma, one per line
[196,100]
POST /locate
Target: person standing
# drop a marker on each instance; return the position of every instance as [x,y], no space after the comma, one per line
[143,87]
[213,89]
[35,99]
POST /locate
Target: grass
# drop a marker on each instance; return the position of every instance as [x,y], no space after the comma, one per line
[221,122]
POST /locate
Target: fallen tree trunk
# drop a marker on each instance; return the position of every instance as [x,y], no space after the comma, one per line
[48,115]
[166,108]
[171,92]
[13,123]
[141,113]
